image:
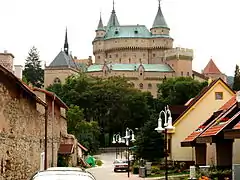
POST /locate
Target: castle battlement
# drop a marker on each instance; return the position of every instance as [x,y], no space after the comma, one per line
[179,52]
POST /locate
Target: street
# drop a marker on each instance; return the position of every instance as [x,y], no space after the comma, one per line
[105,172]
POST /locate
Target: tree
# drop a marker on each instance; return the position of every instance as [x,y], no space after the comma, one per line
[236,82]
[113,103]
[33,72]
[177,91]
[149,143]
[86,132]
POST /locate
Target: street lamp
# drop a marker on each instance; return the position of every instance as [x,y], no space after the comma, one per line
[116,139]
[129,136]
[167,126]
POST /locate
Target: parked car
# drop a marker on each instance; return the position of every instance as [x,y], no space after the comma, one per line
[63,173]
[121,165]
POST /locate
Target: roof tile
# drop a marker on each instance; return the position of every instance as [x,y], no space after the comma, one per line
[211,68]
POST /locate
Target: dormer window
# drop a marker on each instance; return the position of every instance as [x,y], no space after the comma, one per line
[116,32]
[57,81]
[136,31]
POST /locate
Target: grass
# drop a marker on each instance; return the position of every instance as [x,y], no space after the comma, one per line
[162,173]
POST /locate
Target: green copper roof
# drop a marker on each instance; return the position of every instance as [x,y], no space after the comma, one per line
[63,60]
[100,24]
[159,19]
[131,31]
[95,68]
[113,20]
[123,67]
[157,68]
[132,67]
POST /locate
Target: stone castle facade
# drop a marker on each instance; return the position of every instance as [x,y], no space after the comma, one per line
[145,57]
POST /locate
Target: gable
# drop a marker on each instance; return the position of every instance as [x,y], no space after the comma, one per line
[207,99]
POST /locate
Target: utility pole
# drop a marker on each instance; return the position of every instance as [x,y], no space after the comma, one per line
[53,117]
[45,142]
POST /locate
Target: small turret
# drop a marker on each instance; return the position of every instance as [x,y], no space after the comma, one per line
[66,47]
[159,25]
[100,31]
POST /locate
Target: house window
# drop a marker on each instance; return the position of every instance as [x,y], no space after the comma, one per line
[57,81]
[149,86]
[187,73]
[218,95]
[182,73]
[141,85]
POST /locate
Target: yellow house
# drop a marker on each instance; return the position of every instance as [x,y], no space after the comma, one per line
[200,108]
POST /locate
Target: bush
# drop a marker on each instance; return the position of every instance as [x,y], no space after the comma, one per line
[99,162]
[135,170]
[155,169]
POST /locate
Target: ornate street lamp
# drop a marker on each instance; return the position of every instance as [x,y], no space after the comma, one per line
[129,136]
[116,139]
[167,126]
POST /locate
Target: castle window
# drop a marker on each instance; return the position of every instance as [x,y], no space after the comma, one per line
[141,85]
[136,31]
[120,60]
[99,57]
[115,41]
[181,73]
[99,43]
[101,33]
[110,56]
[149,86]
[116,32]
[57,80]
[140,60]
[154,55]
[125,40]
[144,54]
[140,73]
[187,73]
[136,40]
[116,55]
[153,40]
[129,60]
[124,55]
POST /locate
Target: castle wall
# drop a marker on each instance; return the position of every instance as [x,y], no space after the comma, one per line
[51,74]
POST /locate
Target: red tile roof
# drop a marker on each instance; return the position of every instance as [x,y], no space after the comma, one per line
[225,107]
[237,126]
[200,95]
[52,95]
[23,86]
[211,68]
[200,75]
[229,103]
[215,129]
[65,149]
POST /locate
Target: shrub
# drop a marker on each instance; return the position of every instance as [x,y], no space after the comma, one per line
[99,162]
[155,169]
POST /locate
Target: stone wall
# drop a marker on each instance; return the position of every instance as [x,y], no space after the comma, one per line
[22,134]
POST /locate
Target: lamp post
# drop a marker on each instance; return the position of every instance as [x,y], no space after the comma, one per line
[116,139]
[164,128]
[129,135]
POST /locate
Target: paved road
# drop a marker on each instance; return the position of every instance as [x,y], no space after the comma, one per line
[105,172]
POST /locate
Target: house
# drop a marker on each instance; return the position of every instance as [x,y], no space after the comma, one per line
[217,141]
[210,99]
[21,128]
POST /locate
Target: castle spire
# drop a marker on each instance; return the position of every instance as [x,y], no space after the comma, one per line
[100,24]
[66,47]
[159,20]
[113,21]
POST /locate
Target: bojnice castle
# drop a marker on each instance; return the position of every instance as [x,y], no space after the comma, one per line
[145,57]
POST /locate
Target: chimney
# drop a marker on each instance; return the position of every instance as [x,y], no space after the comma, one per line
[18,71]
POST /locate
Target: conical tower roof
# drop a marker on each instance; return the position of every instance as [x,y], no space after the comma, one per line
[113,20]
[159,19]
[211,68]
[100,24]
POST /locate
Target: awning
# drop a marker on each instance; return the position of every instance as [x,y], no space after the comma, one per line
[65,149]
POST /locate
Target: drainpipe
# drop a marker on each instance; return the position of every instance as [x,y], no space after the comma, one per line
[45,142]
[53,117]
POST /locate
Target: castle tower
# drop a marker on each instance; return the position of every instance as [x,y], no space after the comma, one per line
[212,71]
[61,67]
[98,42]
[159,25]
[113,20]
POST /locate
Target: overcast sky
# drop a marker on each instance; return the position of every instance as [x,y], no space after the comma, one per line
[210,27]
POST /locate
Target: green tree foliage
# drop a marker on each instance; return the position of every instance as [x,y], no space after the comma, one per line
[33,73]
[112,102]
[236,82]
[149,143]
[177,91]
[87,133]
